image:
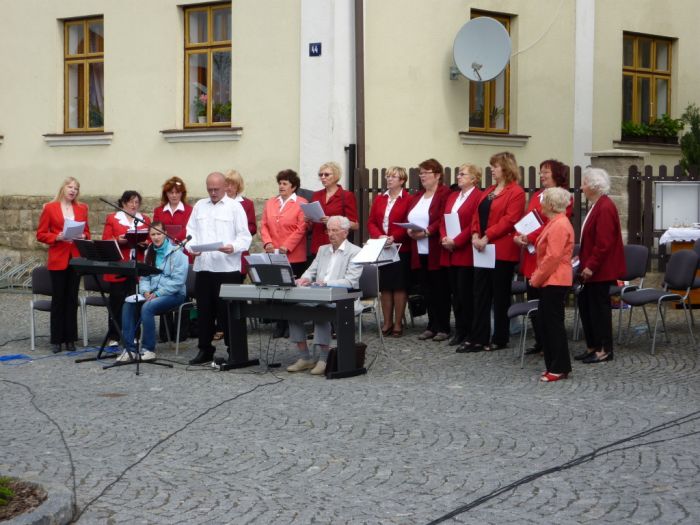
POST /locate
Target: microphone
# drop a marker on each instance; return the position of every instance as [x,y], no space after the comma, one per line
[181,245]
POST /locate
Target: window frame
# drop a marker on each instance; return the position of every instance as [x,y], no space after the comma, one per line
[490,86]
[210,47]
[86,58]
[637,72]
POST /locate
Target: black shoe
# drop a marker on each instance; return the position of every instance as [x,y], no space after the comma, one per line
[593,358]
[70,346]
[532,350]
[496,346]
[456,340]
[583,355]
[202,357]
[56,348]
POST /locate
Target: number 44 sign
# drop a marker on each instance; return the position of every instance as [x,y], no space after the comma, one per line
[315,49]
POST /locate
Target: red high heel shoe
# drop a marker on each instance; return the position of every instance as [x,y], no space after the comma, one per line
[548,377]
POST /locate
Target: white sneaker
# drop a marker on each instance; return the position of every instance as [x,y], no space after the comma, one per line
[319,369]
[301,365]
[124,357]
[148,355]
[112,342]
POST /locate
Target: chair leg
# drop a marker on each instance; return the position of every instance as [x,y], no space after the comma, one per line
[644,310]
[177,334]
[83,319]
[379,326]
[31,326]
[662,311]
[656,326]
[688,312]
[523,340]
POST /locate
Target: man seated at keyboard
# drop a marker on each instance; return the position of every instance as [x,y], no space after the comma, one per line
[331,267]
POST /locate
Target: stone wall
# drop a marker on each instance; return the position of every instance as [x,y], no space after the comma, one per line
[19,219]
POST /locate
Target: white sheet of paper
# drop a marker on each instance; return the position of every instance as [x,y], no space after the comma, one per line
[409,226]
[135,298]
[257,258]
[485,259]
[528,224]
[278,258]
[370,252]
[72,229]
[313,211]
[452,226]
[390,254]
[210,247]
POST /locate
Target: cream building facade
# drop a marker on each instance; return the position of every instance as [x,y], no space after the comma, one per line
[289,109]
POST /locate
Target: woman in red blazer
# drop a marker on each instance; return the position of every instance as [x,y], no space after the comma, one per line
[64,280]
[602,262]
[499,208]
[426,210]
[234,190]
[387,209]
[334,200]
[457,253]
[553,174]
[116,227]
[174,211]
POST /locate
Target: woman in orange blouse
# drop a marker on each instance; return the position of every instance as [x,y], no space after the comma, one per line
[553,277]
[64,280]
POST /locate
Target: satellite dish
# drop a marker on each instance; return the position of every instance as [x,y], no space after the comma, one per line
[482,49]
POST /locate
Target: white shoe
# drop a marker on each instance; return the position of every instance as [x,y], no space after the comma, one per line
[148,355]
[124,357]
[112,342]
[319,369]
[301,365]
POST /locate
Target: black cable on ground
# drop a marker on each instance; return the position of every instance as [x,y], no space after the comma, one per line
[63,439]
[600,451]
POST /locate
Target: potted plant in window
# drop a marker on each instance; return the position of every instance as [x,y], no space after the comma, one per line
[222,112]
[200,108]
[665,129]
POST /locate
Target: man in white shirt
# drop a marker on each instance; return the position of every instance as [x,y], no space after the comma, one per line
[331,267]
[216,219]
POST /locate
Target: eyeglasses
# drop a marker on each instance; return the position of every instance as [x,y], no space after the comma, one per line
[462,174]
[322,175]
[391,177]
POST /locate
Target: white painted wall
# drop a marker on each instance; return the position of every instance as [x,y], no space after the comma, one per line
[584,54]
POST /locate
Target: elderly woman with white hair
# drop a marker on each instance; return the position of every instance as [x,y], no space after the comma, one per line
[552,277]
[602,262]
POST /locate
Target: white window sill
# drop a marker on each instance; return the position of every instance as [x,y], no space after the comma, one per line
[493,139]
[79,139]
[202,135]
[649,147]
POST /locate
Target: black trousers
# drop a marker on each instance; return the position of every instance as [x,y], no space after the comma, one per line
[492,288]
[596,315]
[532,294]
[462,287]
[554,342]
[117,293]
[210,306]
[435,287]
[64,305]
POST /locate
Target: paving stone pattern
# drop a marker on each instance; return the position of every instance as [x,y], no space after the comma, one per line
[424,432]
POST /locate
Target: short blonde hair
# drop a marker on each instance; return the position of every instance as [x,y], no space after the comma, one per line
[509,166]
[473,170]
[556,198]
[397,170]
[62,189]
[234,177]
[335,169]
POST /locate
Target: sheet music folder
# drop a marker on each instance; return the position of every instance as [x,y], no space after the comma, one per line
[99,250]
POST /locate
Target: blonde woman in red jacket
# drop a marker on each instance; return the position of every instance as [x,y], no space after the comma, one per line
[64,280]
[387,209]
[499,208]
[553,277]
[457,255]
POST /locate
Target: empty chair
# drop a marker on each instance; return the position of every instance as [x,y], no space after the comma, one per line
[41,286]
[696,281]
[636,260]
[369,285]
[525,311]
[188,305]
[90,284]
[680,273]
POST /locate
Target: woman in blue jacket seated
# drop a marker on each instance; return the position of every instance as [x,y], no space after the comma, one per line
[161,292]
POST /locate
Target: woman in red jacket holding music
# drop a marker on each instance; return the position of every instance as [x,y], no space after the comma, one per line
[64,280]
[457,253]
[553,174]
[499,208]
[425,211]
[174,211]
[387,209]
[117,225]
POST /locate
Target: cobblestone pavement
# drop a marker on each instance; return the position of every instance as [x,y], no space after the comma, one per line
[425,432]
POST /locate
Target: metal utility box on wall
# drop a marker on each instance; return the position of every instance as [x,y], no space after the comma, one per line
[676,204]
